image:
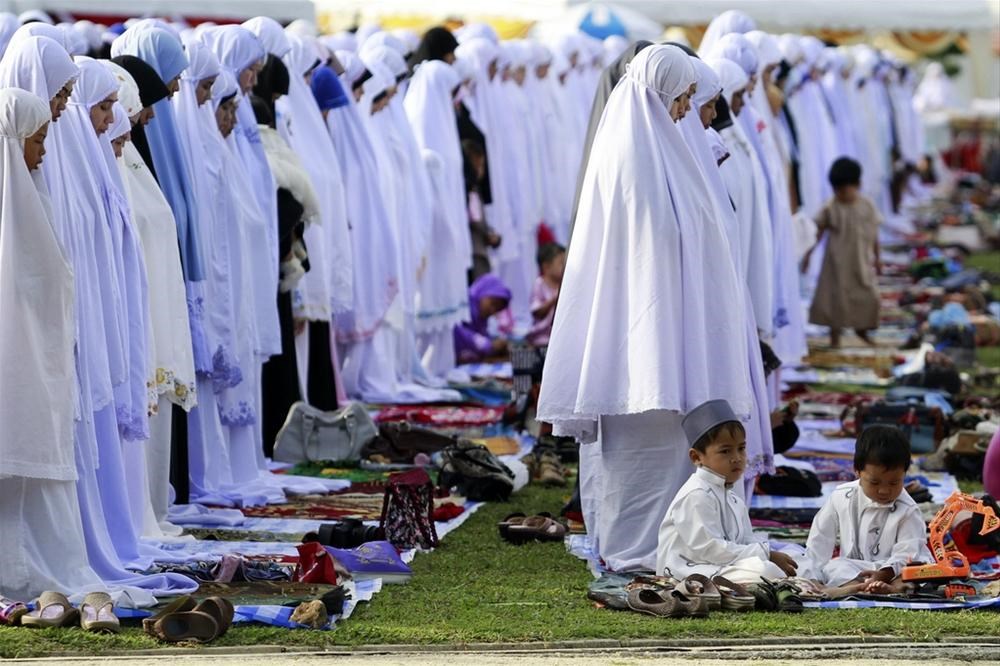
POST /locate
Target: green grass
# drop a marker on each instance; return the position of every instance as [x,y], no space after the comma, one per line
[986,261]
[475,588]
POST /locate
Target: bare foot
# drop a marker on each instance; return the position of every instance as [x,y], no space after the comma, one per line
[845,590]
[866,338]
[896,586]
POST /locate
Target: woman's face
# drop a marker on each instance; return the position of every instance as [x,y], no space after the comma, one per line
[203,91]
[682,104]
[225,117]
[519,74]
[737,104]
[542,71]
[58,103]
[118,145]
[102,114]
[358,93]
[492,69]
[708,112]
[248,77]
[34,148]
[174,85]
[449,58]
[753,82]
[146,115]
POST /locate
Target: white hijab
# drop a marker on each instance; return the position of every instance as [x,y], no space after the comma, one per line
[725,23]
[648,316]
[37,325]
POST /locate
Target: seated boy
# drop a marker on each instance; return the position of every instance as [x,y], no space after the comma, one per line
[707,527]
[876,523]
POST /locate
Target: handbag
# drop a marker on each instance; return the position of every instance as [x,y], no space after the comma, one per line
[402,442]
[407,510]
[311,434]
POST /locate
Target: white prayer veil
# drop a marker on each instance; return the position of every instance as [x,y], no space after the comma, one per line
[647,318]
[37,329]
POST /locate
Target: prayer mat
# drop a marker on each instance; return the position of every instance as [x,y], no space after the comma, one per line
[209,534]
[487,370]
[447,417]
[364,506]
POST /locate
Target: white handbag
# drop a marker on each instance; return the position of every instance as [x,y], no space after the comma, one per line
[311,434]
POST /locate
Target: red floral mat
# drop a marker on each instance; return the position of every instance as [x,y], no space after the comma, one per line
[354,504]
[446,417]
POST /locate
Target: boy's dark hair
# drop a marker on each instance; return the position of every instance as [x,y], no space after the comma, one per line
[548,252]
[882,445]
[733,428]
[845,171]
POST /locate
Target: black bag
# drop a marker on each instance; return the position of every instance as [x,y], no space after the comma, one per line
[401,442]
[790,482]
[476,473]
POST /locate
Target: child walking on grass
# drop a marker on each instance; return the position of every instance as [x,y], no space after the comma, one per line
[847,292]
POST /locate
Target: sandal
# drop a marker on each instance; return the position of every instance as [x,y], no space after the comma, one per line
[179,605]
[186,626]
[11,612]
[97,614]
[765,595]
[789,597]
[504,525]
[735,597]
[663,603]
[699,586]
[221,610]
[52,610]
[540,528]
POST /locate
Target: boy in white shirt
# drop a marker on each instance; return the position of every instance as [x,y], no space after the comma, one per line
[707,528]
[876,523]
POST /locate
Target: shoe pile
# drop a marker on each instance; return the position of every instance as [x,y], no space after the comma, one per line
[545,467]
[662,596]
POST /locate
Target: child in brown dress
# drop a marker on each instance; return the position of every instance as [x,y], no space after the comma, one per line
[847,292]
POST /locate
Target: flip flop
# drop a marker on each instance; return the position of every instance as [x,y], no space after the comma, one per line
[186,626]
[11,612]
[735,597]
[221,610]
[97,614]
[179,605]
[699,586]
[52,610]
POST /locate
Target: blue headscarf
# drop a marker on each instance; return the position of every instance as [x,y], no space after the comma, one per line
[327,89]
[162,51]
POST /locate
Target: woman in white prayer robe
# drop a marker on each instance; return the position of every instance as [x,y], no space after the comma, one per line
[172,374]
[694,126]
[643,332]
[442,296]
[43,542]
[744,179]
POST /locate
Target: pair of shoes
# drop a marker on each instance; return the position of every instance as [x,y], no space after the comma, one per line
[567,448]
[185,620]
[782,595]
[518,528]
[11,612]
[53,609]
[661,602]
[545,467]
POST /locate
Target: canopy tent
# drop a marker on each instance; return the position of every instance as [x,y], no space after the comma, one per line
[198,10]
[777,15]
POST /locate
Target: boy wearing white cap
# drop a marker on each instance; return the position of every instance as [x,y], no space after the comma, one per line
[707,528]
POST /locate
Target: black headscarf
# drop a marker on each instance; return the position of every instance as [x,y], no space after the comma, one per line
[273,81]
[152,89]
[609,79]
[435,45]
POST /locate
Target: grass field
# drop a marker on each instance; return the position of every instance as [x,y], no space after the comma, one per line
[476,588]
